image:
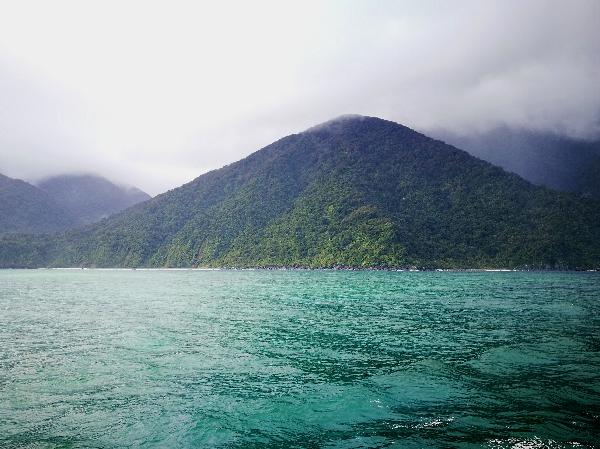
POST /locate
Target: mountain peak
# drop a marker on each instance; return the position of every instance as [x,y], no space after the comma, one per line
[364,127]
[343,122]
[25,208]
[354,191]
[91,197]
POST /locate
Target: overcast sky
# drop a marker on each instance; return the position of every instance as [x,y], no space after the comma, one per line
[155,93]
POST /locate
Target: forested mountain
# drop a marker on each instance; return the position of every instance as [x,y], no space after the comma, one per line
[27,209]
[60,203]
[552,160]
[356,191]
[90,198]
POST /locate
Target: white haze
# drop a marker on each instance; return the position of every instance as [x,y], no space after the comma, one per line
[155,93]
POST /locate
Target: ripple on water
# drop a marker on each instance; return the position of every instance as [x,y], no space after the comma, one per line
[249,359]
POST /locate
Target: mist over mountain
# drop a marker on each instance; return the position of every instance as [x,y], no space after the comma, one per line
[60,203]
[160,118]
[90,198]
[556,161]
[27,209]
[356,192]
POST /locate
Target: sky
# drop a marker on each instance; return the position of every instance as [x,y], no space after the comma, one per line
[155,93]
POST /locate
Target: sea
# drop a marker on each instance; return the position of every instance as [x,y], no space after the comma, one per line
[299,359]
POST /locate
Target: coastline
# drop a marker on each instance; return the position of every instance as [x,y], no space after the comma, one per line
[333,269]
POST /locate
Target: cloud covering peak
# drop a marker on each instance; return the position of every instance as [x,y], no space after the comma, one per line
[155,93]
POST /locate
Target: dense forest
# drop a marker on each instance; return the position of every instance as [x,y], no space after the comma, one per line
[61,202]
[542,158]
[90,198]
[27,209]
[353,192]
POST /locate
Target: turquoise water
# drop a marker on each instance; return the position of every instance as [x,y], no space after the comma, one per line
[285,359]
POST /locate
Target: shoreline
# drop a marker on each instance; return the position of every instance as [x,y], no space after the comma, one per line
[332,269]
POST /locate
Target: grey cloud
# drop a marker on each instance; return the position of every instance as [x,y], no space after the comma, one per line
[462,66]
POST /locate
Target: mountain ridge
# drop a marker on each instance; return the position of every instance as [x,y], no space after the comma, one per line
[60,203]
[356,192]
[26,208]
[90,197]
[543,158]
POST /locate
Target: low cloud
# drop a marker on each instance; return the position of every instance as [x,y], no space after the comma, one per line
[153,94]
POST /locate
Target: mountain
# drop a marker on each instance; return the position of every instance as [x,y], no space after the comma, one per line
[357,192]
[543,158]
[60,203]
[27,209]
[90,198]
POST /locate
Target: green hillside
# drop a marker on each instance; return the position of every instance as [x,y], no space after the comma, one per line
[60,203]
[356,191]
[25,208]
[89,198]
[542,158]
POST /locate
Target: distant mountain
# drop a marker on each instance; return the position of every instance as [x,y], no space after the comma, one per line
[552,160]
[355,192]
[90,198]
[60,203]
[25,208]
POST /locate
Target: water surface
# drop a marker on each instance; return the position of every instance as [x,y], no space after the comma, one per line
[284,359]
